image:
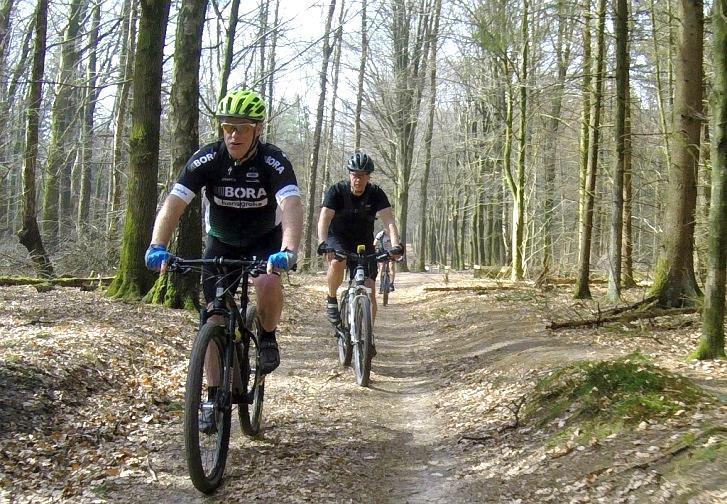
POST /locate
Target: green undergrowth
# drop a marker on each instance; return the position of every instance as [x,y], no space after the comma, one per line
[604,396]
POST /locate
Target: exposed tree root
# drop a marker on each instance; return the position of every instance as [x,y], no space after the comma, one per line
[620,317]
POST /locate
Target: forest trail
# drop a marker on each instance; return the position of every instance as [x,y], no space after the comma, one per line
[434,426]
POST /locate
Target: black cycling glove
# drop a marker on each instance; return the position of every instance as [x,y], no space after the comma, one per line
[398,250]
[323,248]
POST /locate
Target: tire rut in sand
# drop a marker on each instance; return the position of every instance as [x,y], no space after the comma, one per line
[412,465]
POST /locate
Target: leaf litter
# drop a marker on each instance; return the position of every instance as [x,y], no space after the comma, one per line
[93,396]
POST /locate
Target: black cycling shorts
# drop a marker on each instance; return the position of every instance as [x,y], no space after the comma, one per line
[371,268]
[265,246]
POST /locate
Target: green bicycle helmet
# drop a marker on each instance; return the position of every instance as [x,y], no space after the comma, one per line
[242,103]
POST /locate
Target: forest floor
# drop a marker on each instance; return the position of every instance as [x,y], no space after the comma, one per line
[92,395]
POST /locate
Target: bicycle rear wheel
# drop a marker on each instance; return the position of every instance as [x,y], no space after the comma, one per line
[343,336]
[206,450]
[362,340]
[250,409]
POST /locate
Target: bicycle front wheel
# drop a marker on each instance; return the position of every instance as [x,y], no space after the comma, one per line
[251,406]
[343,336]
[362,340]
[207,409]
[385,286]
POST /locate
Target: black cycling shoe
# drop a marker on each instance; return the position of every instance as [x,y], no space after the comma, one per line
[332,313]
[269,355]
[207,420]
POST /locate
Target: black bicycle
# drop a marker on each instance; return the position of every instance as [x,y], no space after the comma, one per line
[354,335]
[223,371]
[385,282]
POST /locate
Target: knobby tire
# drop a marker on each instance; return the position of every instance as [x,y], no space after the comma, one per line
[251,413]
[362,347]
[205,479]
[343,340]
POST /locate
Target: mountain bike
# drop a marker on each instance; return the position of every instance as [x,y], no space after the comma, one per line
[355,333]
[223,370]
[385,282]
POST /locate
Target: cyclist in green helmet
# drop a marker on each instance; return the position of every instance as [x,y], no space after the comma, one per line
[244,182]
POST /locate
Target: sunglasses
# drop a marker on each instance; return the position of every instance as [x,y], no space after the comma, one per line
[240,129]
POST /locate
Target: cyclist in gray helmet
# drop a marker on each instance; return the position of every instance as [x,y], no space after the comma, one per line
[347,217]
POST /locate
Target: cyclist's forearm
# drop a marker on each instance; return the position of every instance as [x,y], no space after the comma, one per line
[387,217]
[167,220]
[324,222]
[292,222]
[394,235]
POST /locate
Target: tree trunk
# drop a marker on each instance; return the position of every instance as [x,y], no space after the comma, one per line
[133,279]
[262,42]
[711,344]
[562,55]
[659,85]
[337,41]
[126,63]
[57,197]
[628,280]
[409,67]
[89,106]
[617,209]
[271,78]
[518,206]
[361,74]
[585,116]
[313,167]
[674,280]
[428,134]
[583,290]
[507,148]
[8,94]
[29,234]
[6,8]
[229,47]
[182,291]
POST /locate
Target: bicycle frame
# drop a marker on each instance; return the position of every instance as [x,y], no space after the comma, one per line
[224,305]
[356,284]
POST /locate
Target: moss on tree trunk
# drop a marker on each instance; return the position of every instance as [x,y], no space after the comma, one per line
[133,279]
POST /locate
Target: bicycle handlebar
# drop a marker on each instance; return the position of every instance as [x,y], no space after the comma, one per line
[343,255]
[253,267]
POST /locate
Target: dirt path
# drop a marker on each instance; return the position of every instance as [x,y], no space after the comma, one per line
[449,368]
[325,437]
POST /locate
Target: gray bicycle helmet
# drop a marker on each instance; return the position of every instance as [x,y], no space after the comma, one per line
[360,161]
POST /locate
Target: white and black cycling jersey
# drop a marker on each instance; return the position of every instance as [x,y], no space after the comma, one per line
[241,198]
[384,241]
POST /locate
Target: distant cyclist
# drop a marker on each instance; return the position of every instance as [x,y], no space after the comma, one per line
[383,242]
[349,210]
[244,182]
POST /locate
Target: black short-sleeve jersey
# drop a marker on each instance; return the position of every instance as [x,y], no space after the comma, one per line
[355,215]
[241,199]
